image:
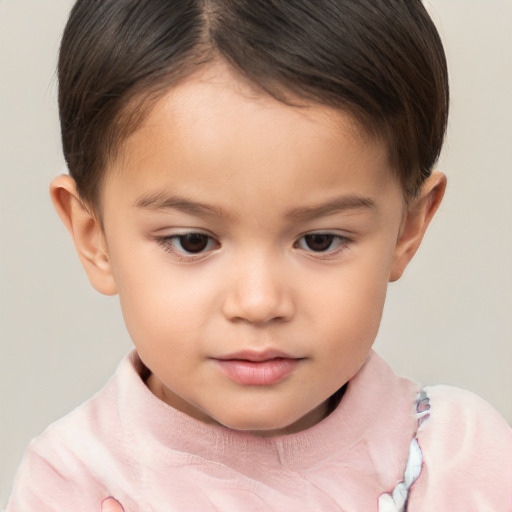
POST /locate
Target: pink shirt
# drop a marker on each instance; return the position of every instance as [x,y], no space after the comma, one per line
[126,443]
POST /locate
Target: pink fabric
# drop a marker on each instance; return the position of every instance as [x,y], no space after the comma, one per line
[467,455]
[126,443]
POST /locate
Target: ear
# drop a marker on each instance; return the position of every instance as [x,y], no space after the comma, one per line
[416,220]
[86,231]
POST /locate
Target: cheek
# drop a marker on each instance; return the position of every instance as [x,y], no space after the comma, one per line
[350,311]
[162,304]
[356,292]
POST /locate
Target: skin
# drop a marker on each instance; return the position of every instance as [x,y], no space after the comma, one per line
[254,178]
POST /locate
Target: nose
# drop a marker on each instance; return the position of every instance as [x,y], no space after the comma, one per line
[259,292]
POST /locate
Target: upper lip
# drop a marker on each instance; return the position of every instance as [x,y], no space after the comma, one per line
[256,356]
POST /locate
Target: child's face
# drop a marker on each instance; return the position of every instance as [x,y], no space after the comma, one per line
[251,244]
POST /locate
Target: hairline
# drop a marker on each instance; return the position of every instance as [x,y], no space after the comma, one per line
[140,104]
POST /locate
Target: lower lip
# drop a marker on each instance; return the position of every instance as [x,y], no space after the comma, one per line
[261,373]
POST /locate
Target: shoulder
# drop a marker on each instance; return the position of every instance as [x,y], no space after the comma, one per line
[467,455]
[76,435]
[68,457]
[461,422]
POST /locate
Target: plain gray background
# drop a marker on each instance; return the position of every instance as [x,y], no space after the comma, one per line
[449,320]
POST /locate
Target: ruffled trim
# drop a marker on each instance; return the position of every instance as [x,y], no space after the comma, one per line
[396,500]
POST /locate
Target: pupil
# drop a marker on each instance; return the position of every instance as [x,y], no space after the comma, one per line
[319,242]
[194,242]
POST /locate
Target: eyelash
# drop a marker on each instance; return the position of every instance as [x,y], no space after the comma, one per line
[169,244]
[341,243]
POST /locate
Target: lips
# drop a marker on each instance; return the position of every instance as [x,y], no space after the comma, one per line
[250,368]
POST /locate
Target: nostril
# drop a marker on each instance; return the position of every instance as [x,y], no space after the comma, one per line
[255,320]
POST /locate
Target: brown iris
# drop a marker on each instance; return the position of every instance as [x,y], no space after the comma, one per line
[194,242]
[319,242]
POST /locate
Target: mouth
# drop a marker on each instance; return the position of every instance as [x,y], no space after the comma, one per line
[250,368]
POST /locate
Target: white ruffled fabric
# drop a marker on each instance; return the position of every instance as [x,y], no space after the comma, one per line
[396,501]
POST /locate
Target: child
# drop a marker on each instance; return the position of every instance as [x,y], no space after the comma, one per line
[248,176]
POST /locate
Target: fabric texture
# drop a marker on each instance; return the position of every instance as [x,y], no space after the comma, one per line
[126,443]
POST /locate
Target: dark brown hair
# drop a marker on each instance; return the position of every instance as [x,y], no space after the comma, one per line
[382,61]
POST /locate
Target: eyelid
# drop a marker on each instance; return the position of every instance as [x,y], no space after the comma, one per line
[344,244]
[166,242]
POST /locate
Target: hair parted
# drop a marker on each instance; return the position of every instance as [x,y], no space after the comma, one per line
[381,61]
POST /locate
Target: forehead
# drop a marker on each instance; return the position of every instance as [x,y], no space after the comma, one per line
[216,130]
[217,97]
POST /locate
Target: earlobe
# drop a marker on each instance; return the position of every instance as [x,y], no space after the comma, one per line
[86,231]
[415,223]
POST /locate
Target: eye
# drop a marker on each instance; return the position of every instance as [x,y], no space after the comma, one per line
[321,242]
[188,244]
[192,242]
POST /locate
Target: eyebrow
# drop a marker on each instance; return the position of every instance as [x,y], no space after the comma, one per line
[301,213]
[165,202]
[337,205]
